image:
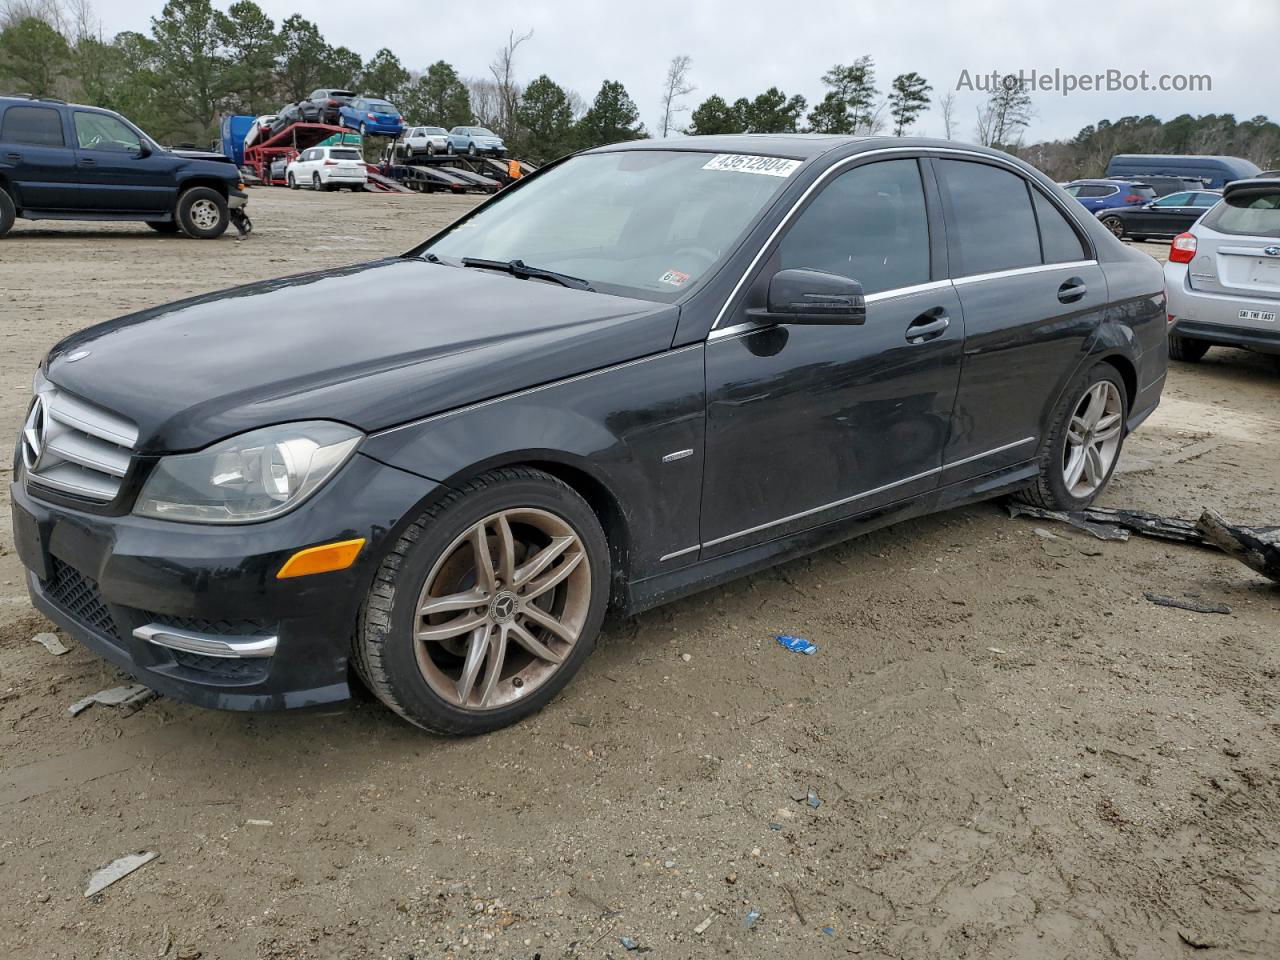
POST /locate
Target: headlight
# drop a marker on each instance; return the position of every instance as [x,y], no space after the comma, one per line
[255,476]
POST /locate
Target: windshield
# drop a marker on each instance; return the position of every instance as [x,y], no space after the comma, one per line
[1254,212]
[643,223]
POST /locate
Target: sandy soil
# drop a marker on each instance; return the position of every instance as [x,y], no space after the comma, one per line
[1015,755]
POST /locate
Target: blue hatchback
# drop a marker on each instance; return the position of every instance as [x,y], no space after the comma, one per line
[372,117]
[1098,195]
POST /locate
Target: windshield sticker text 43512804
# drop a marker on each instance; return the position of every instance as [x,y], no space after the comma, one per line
[742,163]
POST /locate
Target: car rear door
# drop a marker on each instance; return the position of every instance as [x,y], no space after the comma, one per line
[1032,296]
[1165,217]
[118,173]
[808,424]
[35,157]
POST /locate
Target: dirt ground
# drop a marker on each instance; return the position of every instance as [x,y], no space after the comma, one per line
[1014,754]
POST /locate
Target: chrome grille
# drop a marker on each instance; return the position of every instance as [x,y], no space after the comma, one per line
[73,447]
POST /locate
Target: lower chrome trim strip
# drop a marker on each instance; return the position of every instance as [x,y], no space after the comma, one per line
[206,644]
[990,453]
[679,553]
[826,506]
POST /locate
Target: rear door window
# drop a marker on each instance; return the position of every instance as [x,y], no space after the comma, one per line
[1058,239]
[36,126]
[869,224]
[993,225]
[1175,200]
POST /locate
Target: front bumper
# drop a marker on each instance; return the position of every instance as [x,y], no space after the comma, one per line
[101,578]
[237,200]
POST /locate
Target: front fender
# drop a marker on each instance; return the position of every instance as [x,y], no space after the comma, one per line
[635,428]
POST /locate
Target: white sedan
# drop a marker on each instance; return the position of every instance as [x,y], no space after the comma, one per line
[327,168]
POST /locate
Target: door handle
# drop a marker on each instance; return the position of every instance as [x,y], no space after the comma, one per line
[13,157]
[929,325]
[1072,290]
[88,162]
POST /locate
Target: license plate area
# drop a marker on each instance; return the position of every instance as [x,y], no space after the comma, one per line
[1255,316]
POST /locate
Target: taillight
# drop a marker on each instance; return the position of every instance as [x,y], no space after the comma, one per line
[372,116]
[333,103]
[330,163]
[1183,248]
[1133,198]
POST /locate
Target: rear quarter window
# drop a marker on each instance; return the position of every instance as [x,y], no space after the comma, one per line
[1058,239]
[1247,214]
[37,126]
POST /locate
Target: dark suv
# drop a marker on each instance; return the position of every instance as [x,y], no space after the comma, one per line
[62,161]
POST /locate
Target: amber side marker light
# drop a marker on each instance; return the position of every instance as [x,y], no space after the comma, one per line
[325,558]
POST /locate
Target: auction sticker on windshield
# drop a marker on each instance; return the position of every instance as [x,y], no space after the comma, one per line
[742,163]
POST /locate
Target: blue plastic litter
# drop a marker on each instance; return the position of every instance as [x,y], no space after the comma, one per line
[750,919]
[629,943]
[798,645]
[813,800]
[775,826]
[829,931]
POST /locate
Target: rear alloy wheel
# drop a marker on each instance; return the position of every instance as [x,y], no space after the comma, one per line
[487,605]
[1186,349]
[364,130]
[1115,225]
[471,150]
[1082,449]
[202,213]
[293,183]
[316,185]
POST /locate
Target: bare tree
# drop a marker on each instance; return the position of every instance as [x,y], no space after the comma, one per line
[947,105]
[1006,114]
[577,104]
[675,86]
[503,69]
[485,102]
[50,11]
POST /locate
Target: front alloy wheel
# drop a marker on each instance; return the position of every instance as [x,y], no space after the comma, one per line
[487,605]
[1115,225]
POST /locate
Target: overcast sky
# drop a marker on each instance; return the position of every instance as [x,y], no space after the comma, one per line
[740,48]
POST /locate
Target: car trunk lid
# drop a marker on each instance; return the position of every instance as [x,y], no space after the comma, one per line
[1238,243]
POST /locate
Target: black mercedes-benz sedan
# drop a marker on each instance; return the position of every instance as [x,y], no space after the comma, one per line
[642,371]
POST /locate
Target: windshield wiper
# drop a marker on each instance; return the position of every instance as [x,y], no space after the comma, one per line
[522,271]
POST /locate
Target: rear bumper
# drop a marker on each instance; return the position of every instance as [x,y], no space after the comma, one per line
[1215,317]
[196,612]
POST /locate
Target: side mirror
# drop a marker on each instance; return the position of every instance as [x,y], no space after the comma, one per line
[144,150]
[813,296]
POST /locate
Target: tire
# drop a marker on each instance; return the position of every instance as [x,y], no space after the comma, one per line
[202,213]
[416,678]
[449,149]
[293,183]
[471,150]
[431,149]
[364,131]
[163,226]
[8,213]
[1186,349]
[1115,225]
[1137,239]
[1050,489]
[316,185]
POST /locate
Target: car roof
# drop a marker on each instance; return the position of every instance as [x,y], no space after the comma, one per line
[797,146]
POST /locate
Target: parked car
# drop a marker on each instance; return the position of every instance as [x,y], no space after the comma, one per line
[289,114]
[61,161]
[1164,218]
[325,105]
[260,130]
[372,117]
[328,168]
[476,140]
[648,369]
[1163,186]
[1223,275]
[425,140]
[1095,195]
[1214,172]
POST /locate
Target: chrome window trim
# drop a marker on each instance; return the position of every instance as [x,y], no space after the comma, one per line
[918,152]
[1020,271]
[531,390]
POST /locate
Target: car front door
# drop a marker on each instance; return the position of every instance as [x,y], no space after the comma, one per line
[1165,217]
[35,158]
[809,424]
[1032,296]
[118,172]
